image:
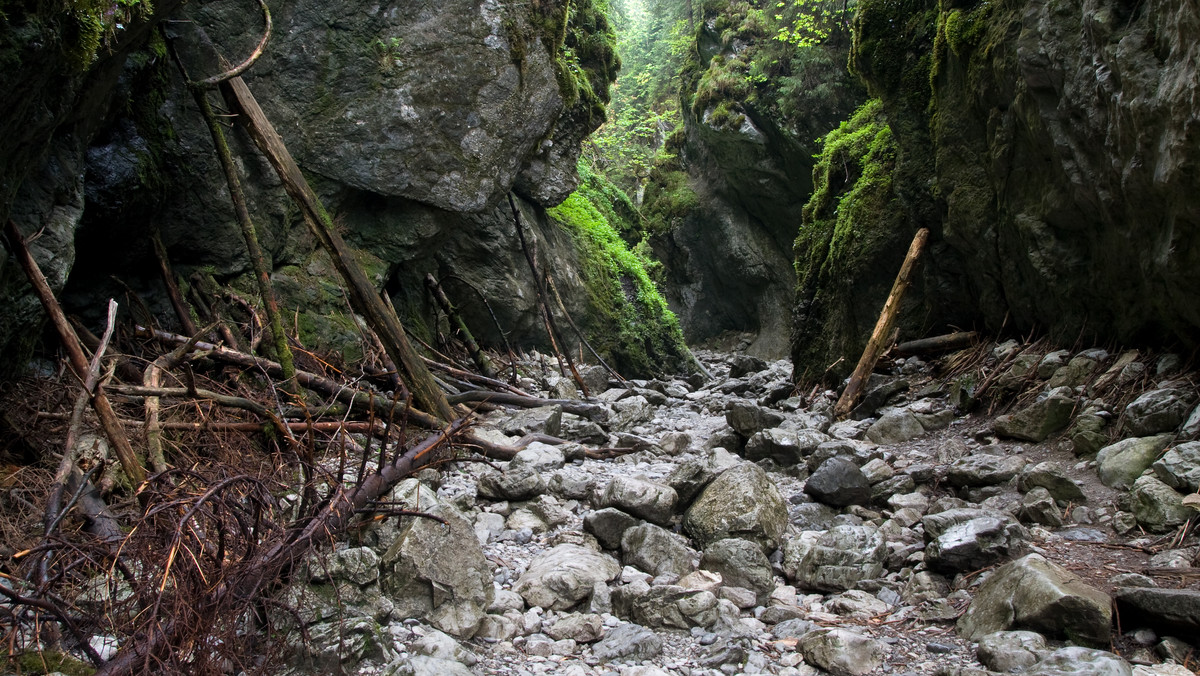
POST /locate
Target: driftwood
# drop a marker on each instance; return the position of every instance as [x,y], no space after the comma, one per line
[168,277]
[474,377]
[79,363]
[593,412]
[266,571]
[363,296]
[477,355]
[951,341]
[883,329]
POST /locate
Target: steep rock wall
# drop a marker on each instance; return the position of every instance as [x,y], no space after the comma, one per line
[1051,148]
[749,158]
[411,121]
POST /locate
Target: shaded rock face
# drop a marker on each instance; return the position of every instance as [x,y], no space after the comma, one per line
[412,124]
[439,102]
[1054,230]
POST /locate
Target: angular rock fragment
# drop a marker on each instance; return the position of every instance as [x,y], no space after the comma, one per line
[562,577]
[743,503]
[1036,594]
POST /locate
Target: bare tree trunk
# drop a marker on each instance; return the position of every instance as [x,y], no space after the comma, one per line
[883,329]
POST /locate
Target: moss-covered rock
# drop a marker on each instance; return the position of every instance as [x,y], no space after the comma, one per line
[851,242]
[1013,123]
[628,318]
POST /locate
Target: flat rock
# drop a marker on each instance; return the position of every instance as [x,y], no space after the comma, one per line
[540,420]
[562,577]
[631,642]
[966,539]
[1036,594]
[1076,661]
[742,503]
[1168,611]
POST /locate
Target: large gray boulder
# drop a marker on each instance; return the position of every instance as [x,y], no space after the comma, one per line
[438,573]
[1050,476]
[655,550]
[960,540]
[562,577]
[1120,463]
[984,469]
[628,642]
[837,559]
[1078,661]
[1168,611]
[609,526]
[895,428]
[740,564]
[1033,593]
[1157,507]
[672,606]
[841,652]
[1161,410]
[748,418]
[449,106]
[651,501]
[1179,467]
[743,503]
[1011,652]
[1040,419]
[838,482]
[518,482]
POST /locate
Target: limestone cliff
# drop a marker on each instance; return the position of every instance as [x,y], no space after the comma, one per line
[413,120]
[748,151]
[1051,148]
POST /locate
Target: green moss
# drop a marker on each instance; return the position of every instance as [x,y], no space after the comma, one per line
[630,320]
[52,661]
[584,49]
[852,228]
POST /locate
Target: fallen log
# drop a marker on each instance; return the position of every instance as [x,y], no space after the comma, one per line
[477,354]
[945,343]
[592,412]
[883,329]
[363,296]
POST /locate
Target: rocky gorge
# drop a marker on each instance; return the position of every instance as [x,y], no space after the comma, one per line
[607,502]
[745,531]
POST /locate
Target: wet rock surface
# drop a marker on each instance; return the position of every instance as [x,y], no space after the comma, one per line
[959,550]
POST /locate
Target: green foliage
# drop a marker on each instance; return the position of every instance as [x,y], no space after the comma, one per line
[586,63]
[787,61]
[631,322]
[388,53]
[81,28]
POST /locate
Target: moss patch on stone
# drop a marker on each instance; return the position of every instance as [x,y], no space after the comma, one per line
[629,319]
[851,242]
